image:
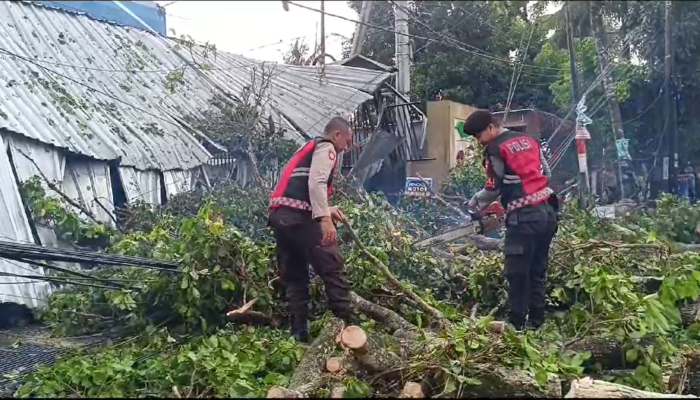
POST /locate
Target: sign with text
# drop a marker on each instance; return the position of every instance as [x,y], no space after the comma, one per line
[417,187]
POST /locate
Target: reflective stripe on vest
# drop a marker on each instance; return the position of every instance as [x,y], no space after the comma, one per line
[530,200]
[292,189]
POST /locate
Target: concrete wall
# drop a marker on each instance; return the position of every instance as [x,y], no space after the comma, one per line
[442,141]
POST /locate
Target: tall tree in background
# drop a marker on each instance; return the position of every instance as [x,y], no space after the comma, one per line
[471,56]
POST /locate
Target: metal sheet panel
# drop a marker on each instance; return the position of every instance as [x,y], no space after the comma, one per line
[141,185]
[89,184]
[178,182]
[51,163]
[101,90]
[14,226]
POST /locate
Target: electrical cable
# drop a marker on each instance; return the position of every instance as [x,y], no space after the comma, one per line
[487,56]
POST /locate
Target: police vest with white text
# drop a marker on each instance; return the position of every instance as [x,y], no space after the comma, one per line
[522,182]
[292,190]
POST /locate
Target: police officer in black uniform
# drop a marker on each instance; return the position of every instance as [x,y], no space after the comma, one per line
[517,171]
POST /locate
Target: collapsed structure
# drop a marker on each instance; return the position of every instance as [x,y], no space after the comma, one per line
[97,108]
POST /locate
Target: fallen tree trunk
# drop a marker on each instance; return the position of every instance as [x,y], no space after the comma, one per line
[500,382]
[588,388]
[308,376]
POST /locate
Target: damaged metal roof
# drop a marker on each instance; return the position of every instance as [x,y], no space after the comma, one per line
[108,92]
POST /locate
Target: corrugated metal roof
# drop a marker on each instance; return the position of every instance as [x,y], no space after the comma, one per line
[98,89]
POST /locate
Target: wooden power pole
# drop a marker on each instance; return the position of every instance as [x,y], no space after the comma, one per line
[575,98]
[670,162]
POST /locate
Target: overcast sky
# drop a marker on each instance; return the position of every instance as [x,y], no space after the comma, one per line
[256,28]
[261,29]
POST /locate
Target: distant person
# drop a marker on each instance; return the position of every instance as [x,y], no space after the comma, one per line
[688,170]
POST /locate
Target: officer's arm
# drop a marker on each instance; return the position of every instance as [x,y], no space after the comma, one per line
[322,164]
[546,171]
[492,189]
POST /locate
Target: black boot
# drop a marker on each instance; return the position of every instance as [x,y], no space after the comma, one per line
[300,328]
[517,321]
[535,319]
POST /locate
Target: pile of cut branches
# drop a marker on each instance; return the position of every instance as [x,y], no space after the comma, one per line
[623,311]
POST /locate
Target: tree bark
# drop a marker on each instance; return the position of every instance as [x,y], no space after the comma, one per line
[501,382]
[308,376]
[588,388]
[389,319]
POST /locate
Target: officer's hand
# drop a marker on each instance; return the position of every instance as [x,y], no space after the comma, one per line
[328,231]
[337,214]
[471,205]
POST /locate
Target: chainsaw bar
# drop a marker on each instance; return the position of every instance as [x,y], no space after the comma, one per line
[471,229]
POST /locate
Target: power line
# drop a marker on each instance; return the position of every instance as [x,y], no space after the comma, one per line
[459,46]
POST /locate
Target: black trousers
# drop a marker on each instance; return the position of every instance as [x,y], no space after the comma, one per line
[298,239]
[529,233]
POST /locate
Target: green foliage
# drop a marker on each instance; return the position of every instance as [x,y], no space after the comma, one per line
[675,219]
[229,363]
[467,178]
[54,213]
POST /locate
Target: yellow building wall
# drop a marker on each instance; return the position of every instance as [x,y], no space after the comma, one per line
[442,141]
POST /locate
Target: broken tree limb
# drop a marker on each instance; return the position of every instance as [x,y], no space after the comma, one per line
[308,376]
[425,307]
[242,309]
[588,388]
[388,318]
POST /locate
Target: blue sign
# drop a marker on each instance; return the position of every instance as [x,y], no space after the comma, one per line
[417,187]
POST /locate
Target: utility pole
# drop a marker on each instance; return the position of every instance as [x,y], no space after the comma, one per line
[671,160]
[403,85]
[576,97]
[361,28]
[323,38]
[402,49]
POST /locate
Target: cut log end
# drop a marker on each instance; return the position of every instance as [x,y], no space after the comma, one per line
[334,365]
[412,390]
[497,327]
[278,392]
[354,338]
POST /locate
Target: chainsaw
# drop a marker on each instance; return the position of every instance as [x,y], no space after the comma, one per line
[488,220]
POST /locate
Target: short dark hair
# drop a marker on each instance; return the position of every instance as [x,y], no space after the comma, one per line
[336,123]
[478,121]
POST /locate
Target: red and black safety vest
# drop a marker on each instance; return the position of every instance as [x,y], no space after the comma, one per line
[292,190]
[522,182]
